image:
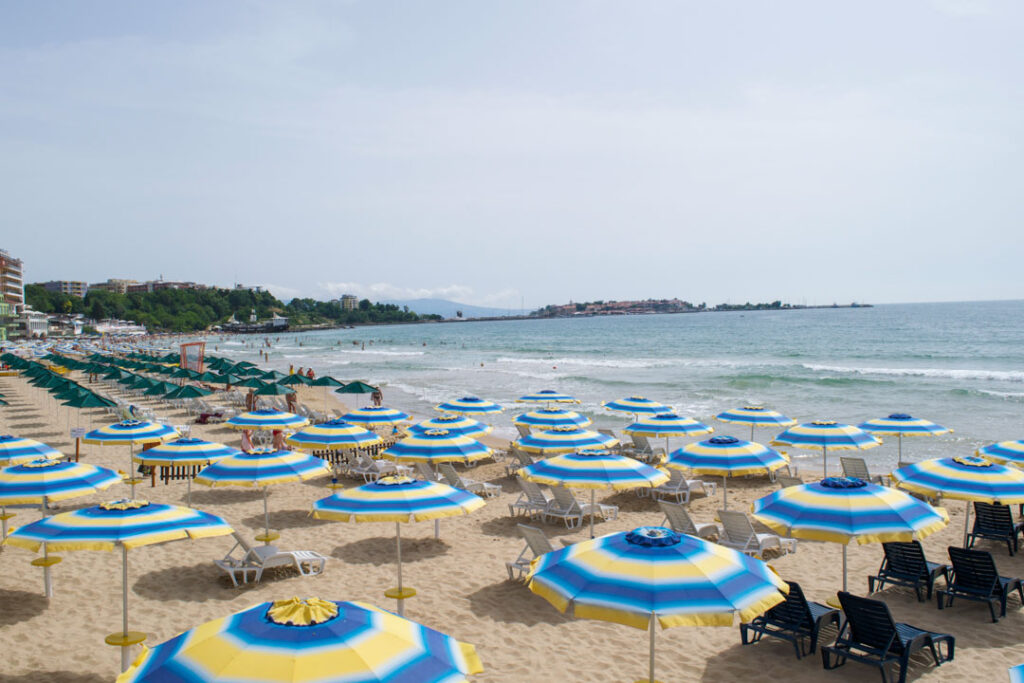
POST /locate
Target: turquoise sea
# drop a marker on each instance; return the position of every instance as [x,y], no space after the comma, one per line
[958,364]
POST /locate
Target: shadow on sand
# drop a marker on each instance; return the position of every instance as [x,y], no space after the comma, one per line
[382,550]
[511,601]
[20,606]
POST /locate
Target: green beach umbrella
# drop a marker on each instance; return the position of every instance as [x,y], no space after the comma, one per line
[326,381]
[273,389]
[188,391]
[356,387]
[250,382]
[295,380]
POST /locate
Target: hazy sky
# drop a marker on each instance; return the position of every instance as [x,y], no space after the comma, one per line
[493,152]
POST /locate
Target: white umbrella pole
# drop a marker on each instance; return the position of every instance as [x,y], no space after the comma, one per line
[188,491]
[651,664]
[751,431]
[47,578]
[131,463]
[398,546]
[844,567]
[593,507]
[899,441]
[266,517]
[437,528]
[824,462]
[967,522]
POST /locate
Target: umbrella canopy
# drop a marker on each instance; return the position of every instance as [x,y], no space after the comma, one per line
[308,641]
[326,381]
[15,450]
[88,400]
[755,416]
[825,435]
[469,405]
[188,391]
[637,405]
[726,456]
[550,418]
[564,440]
[373,417]
[263,468]
[185,452]
[355,387]
[668,425]
[274,390]
[295,380]
[547,396]
[273,375]
[160,389]
[267,419]
[130,432]
[397,499]
[250,382]
[453,424]
[1004,452]
[227,379]
[593,470]
[901,425]
[333,435]
[125,523]
[40,481]
[968,477]
[840,510]
[654,575]
[436,446]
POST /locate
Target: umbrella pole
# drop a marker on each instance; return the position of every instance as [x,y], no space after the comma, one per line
[751,431]
[188,491]
[131,462]
[725,492]
[593,507]
[398,547]
[47,578]
[266,517]
[824,462]
[437,528]
[651,664]
[967,522]
[899,441]
[844,567]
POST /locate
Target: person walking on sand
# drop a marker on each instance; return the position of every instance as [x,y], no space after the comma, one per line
[310,374]
[377,398]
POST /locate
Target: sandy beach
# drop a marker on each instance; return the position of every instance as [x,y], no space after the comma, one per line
[461,580]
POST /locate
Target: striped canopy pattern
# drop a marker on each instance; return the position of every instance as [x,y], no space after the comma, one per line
[547,396]
[262,468]
[15,450]
[549,418]
[564,440]
[437,445]
[1016,673]
[29,483]
[1004,452]
[682,580]
[969,478]
[593,470]
[834,436]
[901,424]
[130,432]
[668,425]
[840,510]
[637,405]
[375,416]
[469,405]
[333,435]
[308,641]
[131,523]
[453,424]
[185,452]
[266,420]
[397,499]
[757,416]
[726,456]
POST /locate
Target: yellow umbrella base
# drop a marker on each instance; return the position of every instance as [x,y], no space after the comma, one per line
[403,594]
[46,561]
[267,538]
[120,639]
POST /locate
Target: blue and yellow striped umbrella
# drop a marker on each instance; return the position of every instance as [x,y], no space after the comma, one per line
[823,435]
[15,450]
[550,418]
[755,416]
[667,425]
[263,468]
[970,478]
[840,510]
[564,440]
[1016,673]
[375,416]
[125,523]
[901,425]
[637,405]
[593,470]
[308,641]
[436,446]
[186,453]
[453,424]
[469,405]
[42,481]
[130,433]
[1004,452]
[397,499]
[547,396]
[267,420]
[332,435]
[726,456]
[654,575]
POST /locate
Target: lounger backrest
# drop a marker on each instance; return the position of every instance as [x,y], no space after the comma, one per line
[794,610]
[532,491]
[678,518]
[785,482]
[524,458]
[993,518]
[676,479]
[424,471]
[565,500]
[855,467]
[736,526]
[523,430]
[536,539]
[450,475]
[905,559]
[870,622]
[607,432]
[641,442]
[974,571]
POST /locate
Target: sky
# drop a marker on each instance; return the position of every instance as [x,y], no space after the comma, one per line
[520,153]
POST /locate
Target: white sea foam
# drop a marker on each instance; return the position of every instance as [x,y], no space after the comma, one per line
[380,352]
[940,373]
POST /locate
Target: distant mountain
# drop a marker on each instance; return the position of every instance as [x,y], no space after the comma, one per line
[448,309]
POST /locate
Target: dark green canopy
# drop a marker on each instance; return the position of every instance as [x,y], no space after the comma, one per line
[89,400]
[189,391]
[292,380]
[273,375]
[161,388]
[356,387]
[326,381]
[274,390]
[250,382]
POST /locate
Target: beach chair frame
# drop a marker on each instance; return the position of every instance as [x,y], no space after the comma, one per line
[795,620]
[905,565]
[974,577]
[995,523]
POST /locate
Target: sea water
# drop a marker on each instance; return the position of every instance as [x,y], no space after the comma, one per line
[958,364]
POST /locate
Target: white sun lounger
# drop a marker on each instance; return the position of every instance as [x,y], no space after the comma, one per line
[679,520]
[452,478]
[739,534]
[531,501]
[537,544]
[256,560]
